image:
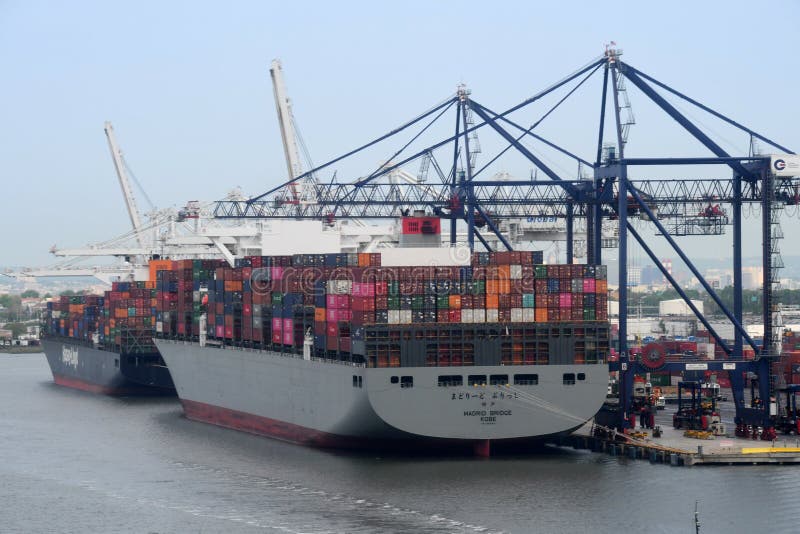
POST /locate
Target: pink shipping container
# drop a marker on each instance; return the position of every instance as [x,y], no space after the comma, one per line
[338,302]
[288,325]
[588,285]
[288,338]
[565,300]
[276,273]
[277,324]
[220,331]
[332,330]
[363,289]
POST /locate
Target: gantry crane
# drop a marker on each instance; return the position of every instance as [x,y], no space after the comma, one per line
[674,207]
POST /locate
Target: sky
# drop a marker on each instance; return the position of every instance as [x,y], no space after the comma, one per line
[187,88]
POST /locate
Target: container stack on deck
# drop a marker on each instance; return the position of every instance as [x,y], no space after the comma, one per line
[504,305]
[121,320]
[129,316]
[77,317]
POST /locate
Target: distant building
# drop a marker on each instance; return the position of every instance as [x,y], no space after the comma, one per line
[651,276]
[752,277]
[719,278]
[634,276]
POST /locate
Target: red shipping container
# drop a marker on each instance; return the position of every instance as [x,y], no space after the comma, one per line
[277,324]
[276,337]
[258,335]
[455,316]
[332,330]
[332,343]
[220,331]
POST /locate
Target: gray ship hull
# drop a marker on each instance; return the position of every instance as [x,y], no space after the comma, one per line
[337,404]
[101,371]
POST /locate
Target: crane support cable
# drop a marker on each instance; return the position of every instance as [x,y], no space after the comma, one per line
[529,131]
[354,151]
[709,110]
[522,104]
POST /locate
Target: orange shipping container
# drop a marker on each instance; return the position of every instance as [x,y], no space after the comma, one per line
[492,287]
[504,272]
[455,302]
[540,316]
[319,315]
[601,287]
[492,301]
[158,265]
[504,285]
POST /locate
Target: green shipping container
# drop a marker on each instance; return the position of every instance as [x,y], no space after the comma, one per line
[659,379]
[393,288]
[528,300]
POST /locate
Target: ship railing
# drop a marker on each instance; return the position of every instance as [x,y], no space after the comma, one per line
[279,353]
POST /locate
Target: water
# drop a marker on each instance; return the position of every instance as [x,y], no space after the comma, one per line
[76,462]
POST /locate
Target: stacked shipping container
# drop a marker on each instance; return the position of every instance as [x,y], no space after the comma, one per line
[503,305]
[122,320]
[347,306]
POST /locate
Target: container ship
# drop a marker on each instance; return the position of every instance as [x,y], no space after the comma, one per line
[405,349]
[103,344]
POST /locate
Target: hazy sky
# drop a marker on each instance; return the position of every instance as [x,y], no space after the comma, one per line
[187,87]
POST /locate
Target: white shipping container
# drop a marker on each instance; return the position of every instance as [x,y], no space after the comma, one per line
[394,316]
[467,316]
[405,316]
[516,315]
[492,315]
[528,315]
[159,327]
[516,272]
[478,316]
[339,287]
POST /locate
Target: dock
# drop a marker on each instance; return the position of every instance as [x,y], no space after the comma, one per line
[676,449]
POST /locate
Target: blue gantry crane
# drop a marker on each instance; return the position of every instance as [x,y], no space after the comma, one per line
[597,191]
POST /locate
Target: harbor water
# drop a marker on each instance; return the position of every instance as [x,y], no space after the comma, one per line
[77,462]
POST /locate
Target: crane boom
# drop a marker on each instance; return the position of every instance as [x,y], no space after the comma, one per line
[125,184]
[284,107]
